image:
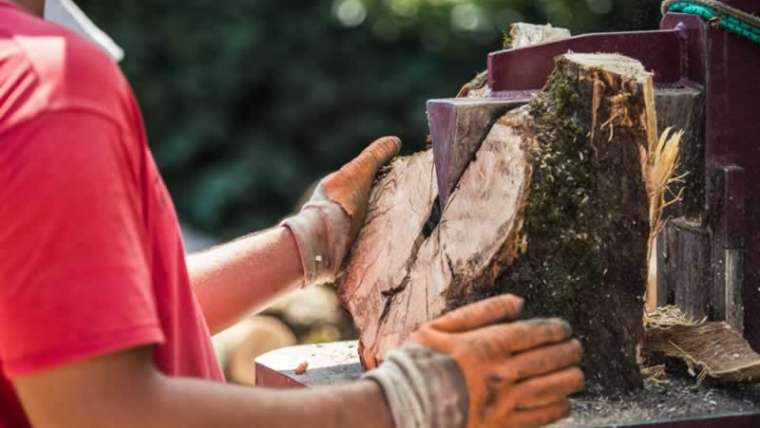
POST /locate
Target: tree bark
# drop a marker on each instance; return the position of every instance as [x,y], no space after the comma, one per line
[553,207]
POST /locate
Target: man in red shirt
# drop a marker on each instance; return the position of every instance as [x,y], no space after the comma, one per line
[103,322]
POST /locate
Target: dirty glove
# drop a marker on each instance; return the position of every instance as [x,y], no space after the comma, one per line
[472,368]
[327,225]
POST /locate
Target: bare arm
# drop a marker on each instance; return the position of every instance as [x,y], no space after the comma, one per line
[244,275]
[125,390]
[237,278]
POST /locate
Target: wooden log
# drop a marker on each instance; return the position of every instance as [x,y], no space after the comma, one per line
[552,207]
[587,221]
[407,264]
[400,206]
[459,125]
[522,35]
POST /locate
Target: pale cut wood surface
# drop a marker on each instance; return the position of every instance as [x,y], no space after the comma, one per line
[522,34]
[398,277]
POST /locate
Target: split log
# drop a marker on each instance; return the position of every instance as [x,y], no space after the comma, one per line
[552,207]
[459,125]
[587,221]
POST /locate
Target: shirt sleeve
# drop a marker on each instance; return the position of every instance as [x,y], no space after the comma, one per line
[75,278]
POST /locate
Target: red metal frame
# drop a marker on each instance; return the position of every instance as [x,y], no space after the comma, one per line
[527,68]
[271,378]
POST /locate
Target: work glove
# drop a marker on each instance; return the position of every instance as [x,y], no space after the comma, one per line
[475,368]
[328,223]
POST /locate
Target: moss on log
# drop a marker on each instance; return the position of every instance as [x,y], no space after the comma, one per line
[586,221]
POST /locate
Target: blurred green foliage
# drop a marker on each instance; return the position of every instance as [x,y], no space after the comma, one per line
[247,102]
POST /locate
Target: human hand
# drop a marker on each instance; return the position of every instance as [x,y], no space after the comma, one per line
[475,368]
[328,223]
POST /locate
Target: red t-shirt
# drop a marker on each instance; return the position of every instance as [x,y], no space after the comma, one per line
[91,258]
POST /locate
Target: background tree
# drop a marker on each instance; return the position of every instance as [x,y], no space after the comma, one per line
[248,102]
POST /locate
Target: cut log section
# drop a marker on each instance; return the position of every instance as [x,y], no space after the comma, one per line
[396,224]
[553,206]
[409,261]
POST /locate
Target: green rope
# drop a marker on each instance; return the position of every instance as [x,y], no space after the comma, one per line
[728,18]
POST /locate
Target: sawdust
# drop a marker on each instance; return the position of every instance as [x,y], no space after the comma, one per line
[674,399]
[673,392]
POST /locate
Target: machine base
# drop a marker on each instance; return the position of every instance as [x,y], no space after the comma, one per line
[679,403]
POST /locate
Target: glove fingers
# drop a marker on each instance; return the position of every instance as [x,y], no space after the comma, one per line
[506,340]
[540,416]
[544,360]
[539,391]
[480,314]
[350,185]
[379,152]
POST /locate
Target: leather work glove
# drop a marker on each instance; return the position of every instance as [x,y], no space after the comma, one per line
[327,225]
[473,368]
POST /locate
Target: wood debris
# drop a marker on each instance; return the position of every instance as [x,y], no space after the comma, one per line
[711,350]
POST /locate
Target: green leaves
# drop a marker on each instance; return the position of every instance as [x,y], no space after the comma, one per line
[248,102]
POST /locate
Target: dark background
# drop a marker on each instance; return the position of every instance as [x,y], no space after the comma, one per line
[247,102]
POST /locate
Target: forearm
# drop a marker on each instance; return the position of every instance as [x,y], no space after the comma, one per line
[148,399]
[237,278]
[192,403]
[125,390]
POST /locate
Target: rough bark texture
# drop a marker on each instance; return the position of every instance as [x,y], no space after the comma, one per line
[400,206]
[587,221]
[553,207]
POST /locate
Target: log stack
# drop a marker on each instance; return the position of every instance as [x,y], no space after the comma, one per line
[552,205]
